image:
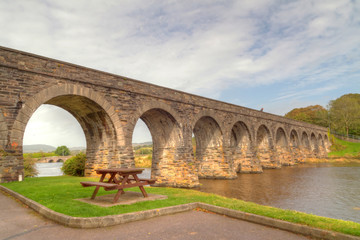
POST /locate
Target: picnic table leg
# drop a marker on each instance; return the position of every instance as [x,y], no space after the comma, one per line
[121,191]
[98,187]
[141,187]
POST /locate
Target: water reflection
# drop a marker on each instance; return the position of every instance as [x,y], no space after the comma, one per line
[321,189]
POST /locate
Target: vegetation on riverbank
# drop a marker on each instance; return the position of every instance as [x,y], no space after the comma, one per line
[59,194]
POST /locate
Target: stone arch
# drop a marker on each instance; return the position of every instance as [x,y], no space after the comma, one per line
[294,144]
[210,157]
[265,148]
[90,108]
[209,114]
[241,149]
[305,142]
[314,145]
[167,136]
[282,147]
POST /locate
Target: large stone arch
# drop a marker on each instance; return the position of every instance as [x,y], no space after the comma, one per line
[209,155]
[241,146]
[282,147]
[169,165]
[95,114]
[265,148]
[294,144]
[305,145]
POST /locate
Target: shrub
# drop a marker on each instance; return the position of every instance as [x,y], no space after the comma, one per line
[29,167]
[75,166]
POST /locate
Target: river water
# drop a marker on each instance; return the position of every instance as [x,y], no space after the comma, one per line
[330,190]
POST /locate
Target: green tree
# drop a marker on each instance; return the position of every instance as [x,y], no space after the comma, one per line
[75,166]
[312,114]
[344,114]
[62,151]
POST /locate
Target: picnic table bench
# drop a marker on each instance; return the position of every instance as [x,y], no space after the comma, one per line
[119,179]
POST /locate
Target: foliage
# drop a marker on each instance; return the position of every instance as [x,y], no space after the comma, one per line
[75,166]
[29,167]
[344,114]
[311,114]
[144,151]
[39,155]
[58,194]
[62,151]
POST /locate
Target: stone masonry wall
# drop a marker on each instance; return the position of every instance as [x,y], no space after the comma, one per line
[108,106]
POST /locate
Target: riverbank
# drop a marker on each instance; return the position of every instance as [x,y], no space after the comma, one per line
[59,194]
[333,159]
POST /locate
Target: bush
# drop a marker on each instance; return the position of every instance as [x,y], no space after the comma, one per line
[29,167]
[75,166]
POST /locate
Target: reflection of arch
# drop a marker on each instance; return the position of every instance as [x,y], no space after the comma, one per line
[240,143]
[92,111]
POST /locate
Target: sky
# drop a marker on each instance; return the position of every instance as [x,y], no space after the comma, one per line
[276,55]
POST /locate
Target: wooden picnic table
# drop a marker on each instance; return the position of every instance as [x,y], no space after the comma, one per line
[119,178]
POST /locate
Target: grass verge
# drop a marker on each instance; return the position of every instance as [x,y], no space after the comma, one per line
[58,194]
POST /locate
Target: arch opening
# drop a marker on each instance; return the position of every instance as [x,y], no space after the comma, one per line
[166,138]
[282,148]
[295,147]
[99,131]
[210,158]
[314,145]
[240,143]
[264,148]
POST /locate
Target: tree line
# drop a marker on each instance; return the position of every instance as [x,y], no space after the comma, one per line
[342,115]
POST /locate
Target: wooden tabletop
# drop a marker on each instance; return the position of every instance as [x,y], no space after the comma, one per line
[120,170]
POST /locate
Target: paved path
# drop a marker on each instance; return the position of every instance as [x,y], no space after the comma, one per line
[19,222]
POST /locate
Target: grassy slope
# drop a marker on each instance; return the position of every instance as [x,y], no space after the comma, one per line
[58,194]
[350,149]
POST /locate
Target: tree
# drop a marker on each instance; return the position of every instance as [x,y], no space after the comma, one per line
[312,114]
[345,114]
[75,166]
[62,151]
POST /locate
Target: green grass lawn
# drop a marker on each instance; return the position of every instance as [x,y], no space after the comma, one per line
[350,149]
[58,194]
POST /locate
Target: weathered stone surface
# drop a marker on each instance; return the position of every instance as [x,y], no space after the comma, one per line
[229,138]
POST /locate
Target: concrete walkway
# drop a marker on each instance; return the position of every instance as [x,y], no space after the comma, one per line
[19,222]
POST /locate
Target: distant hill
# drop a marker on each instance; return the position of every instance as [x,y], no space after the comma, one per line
[141,144]
[38,148]
[77,148]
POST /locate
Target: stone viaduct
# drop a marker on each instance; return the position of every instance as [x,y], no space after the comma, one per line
[229,138]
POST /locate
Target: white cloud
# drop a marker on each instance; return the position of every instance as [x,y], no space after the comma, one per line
[202,47]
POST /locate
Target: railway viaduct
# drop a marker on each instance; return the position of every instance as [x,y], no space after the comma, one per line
[229,138]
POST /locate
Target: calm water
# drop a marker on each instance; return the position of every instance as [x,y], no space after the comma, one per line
[49,169]
[321,189]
